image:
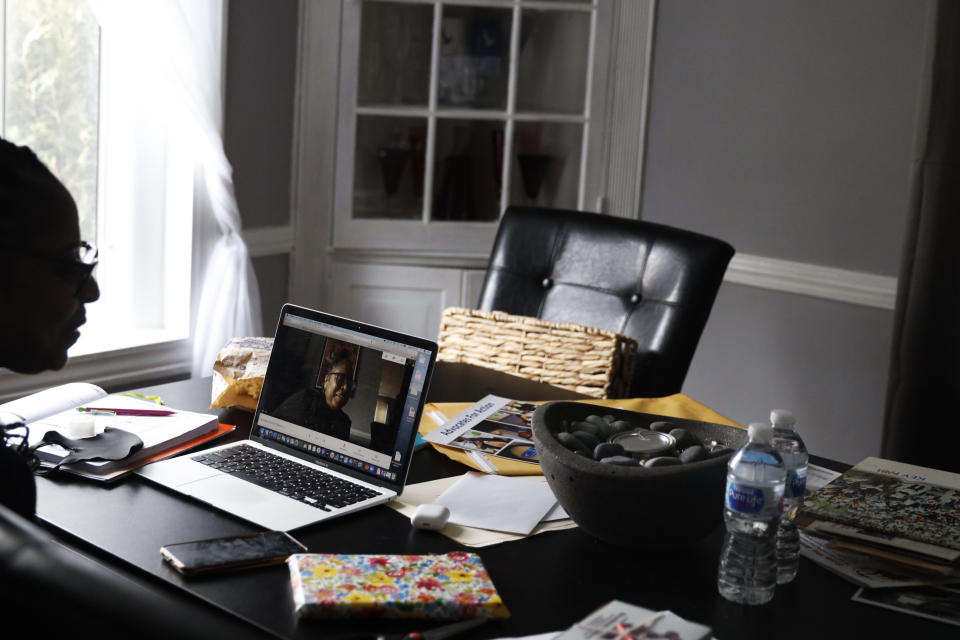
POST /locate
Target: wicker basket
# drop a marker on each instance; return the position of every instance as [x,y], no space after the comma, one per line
[590,361]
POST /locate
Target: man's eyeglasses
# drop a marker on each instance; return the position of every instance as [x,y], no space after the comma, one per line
[341,380]
[75,263]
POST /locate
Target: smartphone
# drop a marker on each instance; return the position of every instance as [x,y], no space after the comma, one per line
[232,552]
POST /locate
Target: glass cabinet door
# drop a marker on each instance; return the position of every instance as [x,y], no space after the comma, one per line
[450,111]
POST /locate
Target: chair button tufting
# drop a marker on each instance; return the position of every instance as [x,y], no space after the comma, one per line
[547,283]
[635,298]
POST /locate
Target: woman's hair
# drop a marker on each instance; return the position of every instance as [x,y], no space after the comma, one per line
[23,178]
[337,356]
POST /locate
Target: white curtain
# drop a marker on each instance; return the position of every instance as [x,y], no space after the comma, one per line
[179,43]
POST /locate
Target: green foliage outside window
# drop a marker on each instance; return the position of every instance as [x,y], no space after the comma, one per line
[51,92]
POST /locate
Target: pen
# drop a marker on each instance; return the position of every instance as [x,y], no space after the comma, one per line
[126,412]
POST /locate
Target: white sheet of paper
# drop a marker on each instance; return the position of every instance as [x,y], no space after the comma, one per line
[819,477]
[500,503]
[424,492]
[556,513]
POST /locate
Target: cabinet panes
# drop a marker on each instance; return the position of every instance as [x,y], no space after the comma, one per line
[395,45]
[473,67]
[469,165]
[552,69]
[545,168]
[458,109]
[388,167]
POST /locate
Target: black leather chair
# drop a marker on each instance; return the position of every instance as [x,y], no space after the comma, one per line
[649,281]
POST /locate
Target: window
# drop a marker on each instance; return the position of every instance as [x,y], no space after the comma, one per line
[51,84]
[67,98]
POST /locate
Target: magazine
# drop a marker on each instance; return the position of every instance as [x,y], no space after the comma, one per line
[868,570]
[891,504]
[495,426]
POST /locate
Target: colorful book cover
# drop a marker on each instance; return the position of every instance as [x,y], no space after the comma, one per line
[894,499]
[450,586]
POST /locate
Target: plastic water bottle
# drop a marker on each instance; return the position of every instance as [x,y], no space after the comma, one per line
[794,454]
[752,505]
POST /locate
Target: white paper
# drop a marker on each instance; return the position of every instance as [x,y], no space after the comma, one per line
[557,513]
[818,477]
[425,492]
[45,403]
[515,504]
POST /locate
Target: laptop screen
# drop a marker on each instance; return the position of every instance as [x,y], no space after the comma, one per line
[344,394]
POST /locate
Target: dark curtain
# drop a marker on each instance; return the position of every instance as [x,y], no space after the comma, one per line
[922,422]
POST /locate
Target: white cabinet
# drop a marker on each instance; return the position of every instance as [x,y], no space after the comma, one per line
[433,117]
[408,299]
[450,111]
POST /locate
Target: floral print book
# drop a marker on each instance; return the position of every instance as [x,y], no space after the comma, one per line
[450,586]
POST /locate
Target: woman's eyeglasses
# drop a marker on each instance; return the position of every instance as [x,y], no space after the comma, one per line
[75,263]
[341,380]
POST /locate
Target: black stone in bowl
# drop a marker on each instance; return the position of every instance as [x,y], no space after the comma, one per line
[636,507]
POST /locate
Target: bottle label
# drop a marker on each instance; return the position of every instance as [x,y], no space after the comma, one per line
[754,501]
[758,457]
[796,483]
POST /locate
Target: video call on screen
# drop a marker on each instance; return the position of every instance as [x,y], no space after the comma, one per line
[342,390]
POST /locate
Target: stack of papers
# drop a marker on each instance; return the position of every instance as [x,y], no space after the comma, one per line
[487,509]
[514,504]
[56,409]
[899,515]
[894,530]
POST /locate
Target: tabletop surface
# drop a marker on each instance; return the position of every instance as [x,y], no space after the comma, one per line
[548,581]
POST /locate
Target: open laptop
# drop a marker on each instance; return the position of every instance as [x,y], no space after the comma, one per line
[333,433]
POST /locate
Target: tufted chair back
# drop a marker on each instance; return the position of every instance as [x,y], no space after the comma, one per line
[649,281]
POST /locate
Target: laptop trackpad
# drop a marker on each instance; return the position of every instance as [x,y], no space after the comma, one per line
[244,499]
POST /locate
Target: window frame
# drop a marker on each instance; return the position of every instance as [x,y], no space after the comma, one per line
[427,235]
[155,355]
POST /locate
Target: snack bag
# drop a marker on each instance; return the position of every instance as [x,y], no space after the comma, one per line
[238,372]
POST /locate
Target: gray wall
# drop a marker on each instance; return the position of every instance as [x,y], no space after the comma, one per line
[786,128]
[783,127]
[258,128]
[258,125]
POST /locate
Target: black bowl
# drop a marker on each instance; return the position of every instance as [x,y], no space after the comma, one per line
[635,507]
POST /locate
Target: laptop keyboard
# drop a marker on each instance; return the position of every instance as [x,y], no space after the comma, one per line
[315,488]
